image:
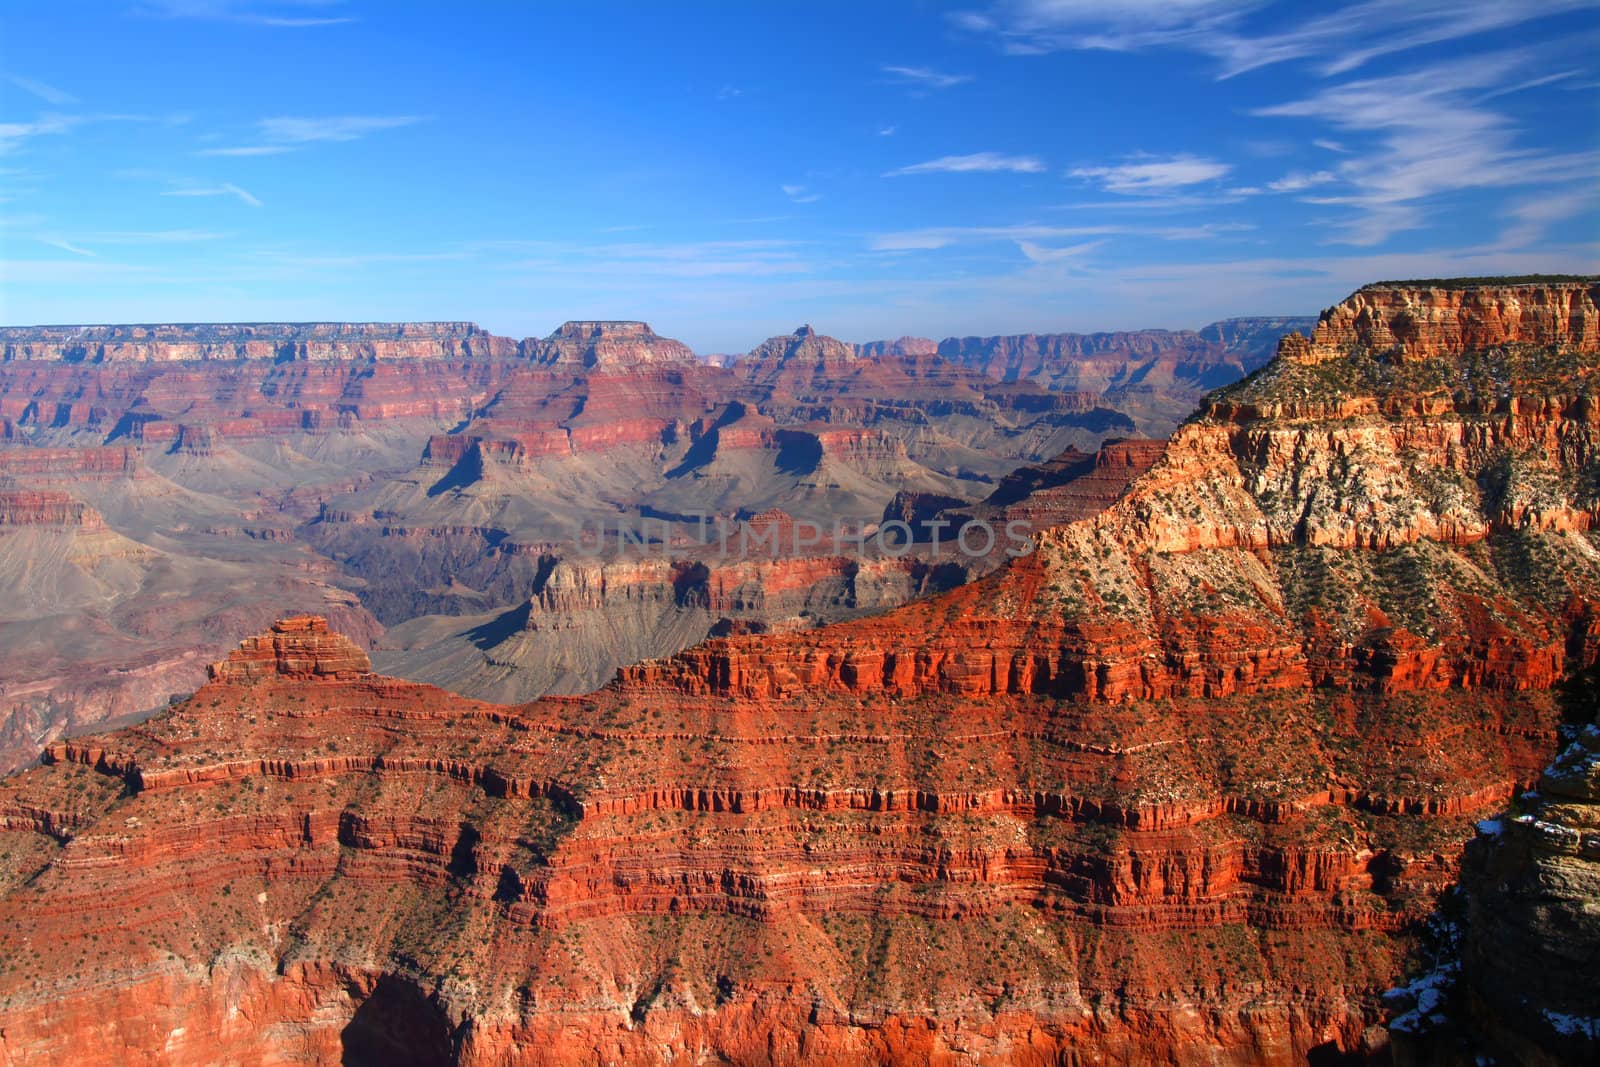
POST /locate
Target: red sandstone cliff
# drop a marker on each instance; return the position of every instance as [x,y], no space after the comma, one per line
[1176,787]
[1425,320]
[298,647]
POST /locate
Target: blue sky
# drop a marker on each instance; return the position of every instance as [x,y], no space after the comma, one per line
[730,171]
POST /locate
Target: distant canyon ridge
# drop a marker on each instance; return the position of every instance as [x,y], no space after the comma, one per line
[165,488]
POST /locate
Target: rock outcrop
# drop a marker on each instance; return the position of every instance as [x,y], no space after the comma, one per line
[1515,938]
[1178,786]
[46,508]
[297,647]
[1531,936]
[608,344]
[1423,320]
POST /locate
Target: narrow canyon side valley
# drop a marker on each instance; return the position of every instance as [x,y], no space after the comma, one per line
[375,693]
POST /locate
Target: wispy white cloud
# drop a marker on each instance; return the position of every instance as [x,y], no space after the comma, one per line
[1147,175]
[1298,180]
[84,244]
[977,162]
[1531,83]
[1530,219]
[925,77]
[364,259]
[48,93]
[66,246]
[972,21]
[1165,202]
[1040,254]
[249,150]
[800,194]
[728,92]
[1032,27]
[886,131]
[294,130]
[1337,41]
[13,135]
[147,237]
[225,189]
[1432,137]
[643,260]
[1329,145]
[282,14]
[284,133]
[936,237]
[25,220]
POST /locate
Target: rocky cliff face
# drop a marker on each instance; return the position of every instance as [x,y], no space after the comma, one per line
[901,346]
[1531,882]
[297,647]
[1514,939]
[1423,321]
[45,508]
[1177,786]
[585,617]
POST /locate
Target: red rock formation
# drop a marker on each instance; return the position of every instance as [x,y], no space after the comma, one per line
[1426,320]
[297,647]
[46,508]
[67,465]
[1177,787]
[608,344]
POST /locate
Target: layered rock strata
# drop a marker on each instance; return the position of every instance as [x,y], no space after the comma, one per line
[1178,787]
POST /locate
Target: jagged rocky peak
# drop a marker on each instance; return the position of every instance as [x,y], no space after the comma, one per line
[805,344]
[608,343]
[1417,320]
[300,646]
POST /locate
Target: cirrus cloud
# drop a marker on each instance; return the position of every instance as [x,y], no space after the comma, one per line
[976,163]
[1149,175]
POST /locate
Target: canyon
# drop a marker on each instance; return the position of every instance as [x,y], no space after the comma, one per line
[426,485]
[1184,783]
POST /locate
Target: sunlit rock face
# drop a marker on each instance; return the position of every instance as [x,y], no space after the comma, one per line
[608,344]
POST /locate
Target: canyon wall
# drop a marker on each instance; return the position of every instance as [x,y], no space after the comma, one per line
[1181,785]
